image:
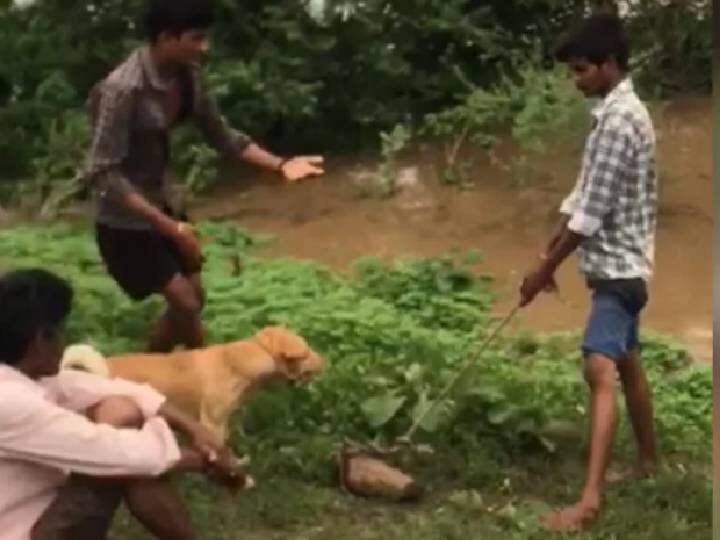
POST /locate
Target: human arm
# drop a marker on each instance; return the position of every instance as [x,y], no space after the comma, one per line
[78,391]
[291,169]
[203,440]
[238,145]
[587,206]
[33,429]
[542,277]
[559,230]
[112,106]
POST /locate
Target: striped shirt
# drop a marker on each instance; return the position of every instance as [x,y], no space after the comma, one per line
[614,202]
[131,125]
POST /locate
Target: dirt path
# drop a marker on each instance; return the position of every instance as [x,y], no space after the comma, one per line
[330,221]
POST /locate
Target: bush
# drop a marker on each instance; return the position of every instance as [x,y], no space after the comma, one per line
[392,334]
[328,81]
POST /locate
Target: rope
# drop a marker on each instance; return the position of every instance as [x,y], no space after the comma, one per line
[405,439]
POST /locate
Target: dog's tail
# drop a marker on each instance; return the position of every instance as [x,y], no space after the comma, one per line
[83,357]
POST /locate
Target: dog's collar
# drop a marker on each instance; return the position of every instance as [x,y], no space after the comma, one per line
[264,348]
[278,365]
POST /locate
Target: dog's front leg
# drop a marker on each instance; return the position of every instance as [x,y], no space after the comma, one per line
[213,423]
[215,418]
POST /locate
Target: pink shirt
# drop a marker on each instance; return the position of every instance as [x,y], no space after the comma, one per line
[43,439]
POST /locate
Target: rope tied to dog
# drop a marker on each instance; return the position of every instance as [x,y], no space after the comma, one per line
[407,438]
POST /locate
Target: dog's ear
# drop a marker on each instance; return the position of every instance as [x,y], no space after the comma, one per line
[291,352]
[279,341]
[265,338]
[268,338]
[287,348]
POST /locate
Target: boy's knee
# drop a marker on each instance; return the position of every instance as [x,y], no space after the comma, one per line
[199,291]
[184,296]
[599,371]
[117,411]
[187,305]
[200,297]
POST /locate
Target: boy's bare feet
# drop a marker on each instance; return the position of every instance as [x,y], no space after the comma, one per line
[639,471]
[576,518]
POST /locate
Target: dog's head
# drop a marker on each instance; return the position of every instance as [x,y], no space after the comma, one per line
[294,359]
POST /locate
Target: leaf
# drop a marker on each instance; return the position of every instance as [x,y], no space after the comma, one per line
[487,392]
[467,499]
[549,445]
[433,418]
[500,415]
[413,372]
[380,410]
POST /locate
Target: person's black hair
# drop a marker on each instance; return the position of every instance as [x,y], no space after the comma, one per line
[32,302]
[597,39]
[177,16]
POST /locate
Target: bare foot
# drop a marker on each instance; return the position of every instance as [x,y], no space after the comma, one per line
[637,472]
[572,519]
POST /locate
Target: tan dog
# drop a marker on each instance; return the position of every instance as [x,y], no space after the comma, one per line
[209,383]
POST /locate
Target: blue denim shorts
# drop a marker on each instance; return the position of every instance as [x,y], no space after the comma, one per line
[614,323]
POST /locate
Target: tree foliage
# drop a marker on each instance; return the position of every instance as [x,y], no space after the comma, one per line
[331,78]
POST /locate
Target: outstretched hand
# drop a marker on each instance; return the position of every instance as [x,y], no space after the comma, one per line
[301,167]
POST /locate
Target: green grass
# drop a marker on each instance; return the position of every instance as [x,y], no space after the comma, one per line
[392,335]
[673,504]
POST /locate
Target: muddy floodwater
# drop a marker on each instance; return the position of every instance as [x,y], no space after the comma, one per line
[333,220]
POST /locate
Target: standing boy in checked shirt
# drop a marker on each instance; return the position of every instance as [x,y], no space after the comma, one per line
[610,217]
[144,243]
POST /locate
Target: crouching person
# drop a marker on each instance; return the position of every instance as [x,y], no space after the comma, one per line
[74,447]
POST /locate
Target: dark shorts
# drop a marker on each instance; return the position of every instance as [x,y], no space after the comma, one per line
[83,510]
[142,262]
[614,323]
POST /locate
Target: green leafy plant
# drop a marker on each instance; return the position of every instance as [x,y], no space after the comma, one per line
[392,334]
[401,327]
[538,105]
[391,144]
[306,83]
[474,121]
